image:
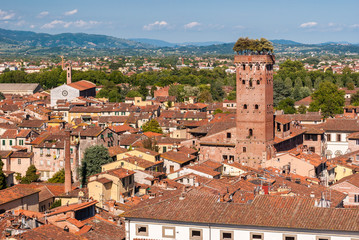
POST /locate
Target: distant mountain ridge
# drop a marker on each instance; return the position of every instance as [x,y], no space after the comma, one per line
[27,38]
[81,44]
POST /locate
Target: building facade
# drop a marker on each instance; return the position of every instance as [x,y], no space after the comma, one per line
[254,108]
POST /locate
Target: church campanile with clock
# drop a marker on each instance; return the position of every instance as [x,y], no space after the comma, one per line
[254,122]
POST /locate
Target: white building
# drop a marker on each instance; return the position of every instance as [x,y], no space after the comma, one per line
[72,90]
[336,133]
[194,215]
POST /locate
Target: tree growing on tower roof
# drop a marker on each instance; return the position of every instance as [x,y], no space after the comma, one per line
[248,46]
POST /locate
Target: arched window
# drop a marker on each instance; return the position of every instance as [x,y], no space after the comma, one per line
[245,106]
[258,67]
[244,149]
[250,67]
[250,83]
[243,81]
[256,106]
[250,132]
[258,82]
[244,67]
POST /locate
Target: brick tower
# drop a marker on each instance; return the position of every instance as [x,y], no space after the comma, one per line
[254,76]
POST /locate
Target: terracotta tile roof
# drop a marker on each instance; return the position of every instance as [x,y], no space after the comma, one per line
[85,109]
[82,85]
[20,154]
[113,151]
[293,133]
[130,139]
[5,154]
[305,101]
[10,133]
[103,229]
[264,211]
[352,179]
[353,136]
[147,151]
[113,119]
[309,116]
[341,124]
[283,119]
[204,169]
[306,190]
[187,150]
[120,172]
[152,134]
[212,164]
[178,157]
[139,162]
[16,192]
[103,180]
[122,128]
[32,123]
[90,131]
[23,133]
[48,231]
[75,222]
[71,207]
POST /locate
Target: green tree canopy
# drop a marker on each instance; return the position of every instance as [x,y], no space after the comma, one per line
[354,99]
[302,109]
[2,176]
[94,158]
[58,177]
[218,110]
[329,99]
[246,45]
[287,105]
[152,126]
[30,176]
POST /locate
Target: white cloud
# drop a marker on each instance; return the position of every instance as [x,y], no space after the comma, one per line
[239,27]
[63,24]
[20,23]
[72,12]
[155,25]
[43,14]
[32,26]
[53,24]
[308,24]
[191,25]
[354,26]
[4,15]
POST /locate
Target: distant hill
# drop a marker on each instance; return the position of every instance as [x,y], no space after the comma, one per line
[285,42]
[160,43]
[27,38]
[154,42]
[26,43]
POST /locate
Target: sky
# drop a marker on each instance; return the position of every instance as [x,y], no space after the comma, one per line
[176,21]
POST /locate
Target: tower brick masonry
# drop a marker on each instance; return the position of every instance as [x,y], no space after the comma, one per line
[255,136]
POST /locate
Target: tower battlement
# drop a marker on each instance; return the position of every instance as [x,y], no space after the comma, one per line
[269,59]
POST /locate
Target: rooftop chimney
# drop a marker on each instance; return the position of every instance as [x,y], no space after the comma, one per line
[67,162]
[69,77]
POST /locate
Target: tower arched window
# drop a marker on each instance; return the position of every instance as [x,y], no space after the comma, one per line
[258,82]
[244,149]
[256,106]
[250,132]
[243,81]
[245,106]
[250,83]
[244,67]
